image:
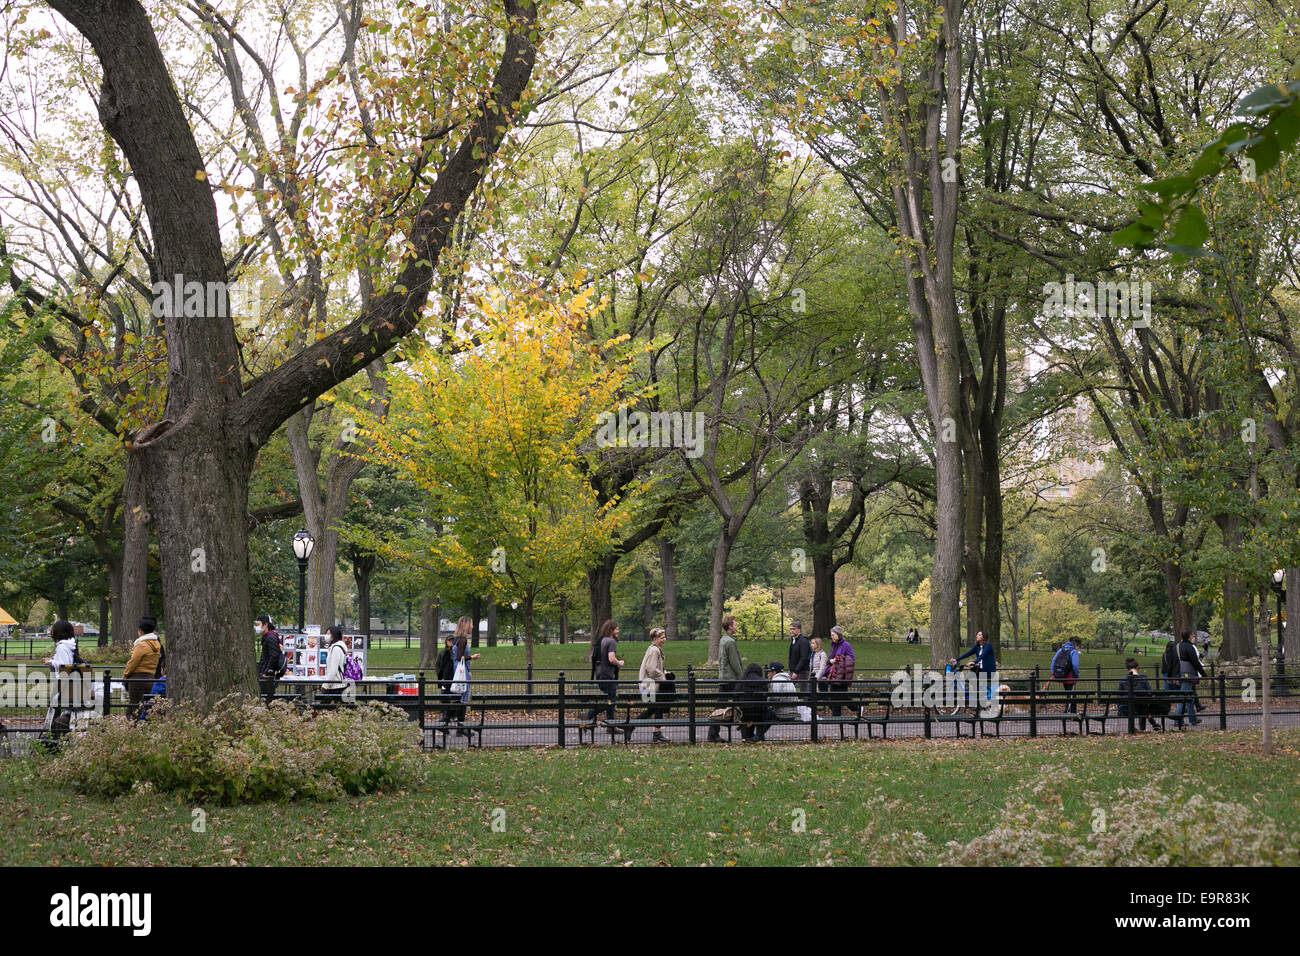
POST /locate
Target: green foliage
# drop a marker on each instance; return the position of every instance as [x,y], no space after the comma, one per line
[878,613]
[241,752]
[758,616]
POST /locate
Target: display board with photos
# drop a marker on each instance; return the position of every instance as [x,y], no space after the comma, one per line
[308,652]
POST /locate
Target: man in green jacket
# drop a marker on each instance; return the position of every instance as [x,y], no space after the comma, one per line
[729,669]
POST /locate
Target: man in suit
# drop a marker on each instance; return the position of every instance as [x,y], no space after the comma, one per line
[800,656]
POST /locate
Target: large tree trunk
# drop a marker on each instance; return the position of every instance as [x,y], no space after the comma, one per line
[529,627]
[823,596]
[492,623]
[133,598]
[1291,613]
[204,550]
[564,619]
[103,618]
[600,591]
[721,554]
[363,566]
[114,598]
[430,615]
[668,571]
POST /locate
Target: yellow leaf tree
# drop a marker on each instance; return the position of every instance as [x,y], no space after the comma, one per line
[500,438]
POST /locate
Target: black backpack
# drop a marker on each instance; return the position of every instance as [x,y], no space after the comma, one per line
[1169,663]
[281,664]
[442,666]
[1061,664]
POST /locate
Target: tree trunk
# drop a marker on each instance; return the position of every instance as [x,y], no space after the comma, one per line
[721,554]
[430,616]
[668,570]
[103,618]
[647,604]
[133,595]
[564,619]
[204,548]
[476,611]
[823,595]
[106,637]
[492,623]
[600,592]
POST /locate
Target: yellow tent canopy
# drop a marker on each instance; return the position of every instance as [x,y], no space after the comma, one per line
[5,619]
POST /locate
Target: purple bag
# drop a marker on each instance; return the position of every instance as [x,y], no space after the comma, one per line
[351,668]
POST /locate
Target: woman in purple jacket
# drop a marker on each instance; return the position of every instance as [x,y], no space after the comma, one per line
[839,667]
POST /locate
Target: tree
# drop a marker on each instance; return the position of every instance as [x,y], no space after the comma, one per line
[200,454]
[494,442]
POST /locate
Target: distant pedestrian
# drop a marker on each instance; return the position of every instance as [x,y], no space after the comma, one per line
[268,664]
[652,679]
[913,637]
[800,656]
[729,672]
[1190,671]
[839,668]
[460,680]
[142,669]
[607,663]
[65,654]
[1065,668]
[335,661]
[1135,683]
[444,670]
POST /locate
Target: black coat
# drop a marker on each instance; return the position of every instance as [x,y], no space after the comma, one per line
[800,655]
[270,659]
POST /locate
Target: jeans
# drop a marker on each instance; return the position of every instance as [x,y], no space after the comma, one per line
[1187,706]
[609,688]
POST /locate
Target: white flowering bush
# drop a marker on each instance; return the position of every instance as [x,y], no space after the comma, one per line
[241,752]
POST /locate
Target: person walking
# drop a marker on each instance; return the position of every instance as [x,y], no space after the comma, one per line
[729,672]
[1135,683]
[460,658]
[1190,672]
[800,656]
[444,671]
[985,663]
[839,668]
[606,660]
[1065,668]
[142,669]
[336,659]
[64,636]
[819,662]
[268,664]
[651,679]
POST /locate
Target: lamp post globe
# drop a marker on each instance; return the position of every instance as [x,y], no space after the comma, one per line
[1279,589]
[303,543]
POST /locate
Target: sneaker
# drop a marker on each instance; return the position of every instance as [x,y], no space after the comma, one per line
[658,738]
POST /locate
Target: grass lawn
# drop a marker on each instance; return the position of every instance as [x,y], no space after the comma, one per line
[1163,799]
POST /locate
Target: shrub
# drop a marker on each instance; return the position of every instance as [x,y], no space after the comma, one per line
[241,752]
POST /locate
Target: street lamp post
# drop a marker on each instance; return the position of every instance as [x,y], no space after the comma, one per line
[1279,588]
[303,543]
[514,619]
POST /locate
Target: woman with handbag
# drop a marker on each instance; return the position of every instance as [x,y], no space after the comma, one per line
[839,669]
[460,679]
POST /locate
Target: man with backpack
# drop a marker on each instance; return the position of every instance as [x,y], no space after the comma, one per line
[1065,668]
[273,662]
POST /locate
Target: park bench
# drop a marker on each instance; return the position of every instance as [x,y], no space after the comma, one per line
[864,704]
[1155,705]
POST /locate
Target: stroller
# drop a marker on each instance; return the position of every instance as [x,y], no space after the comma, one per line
[72,705]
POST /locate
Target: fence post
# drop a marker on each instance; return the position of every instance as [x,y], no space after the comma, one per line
[1132,706]
[690,703]
[421,708]
[812,690]
[1033,702]
[1223,701]
[560,707]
